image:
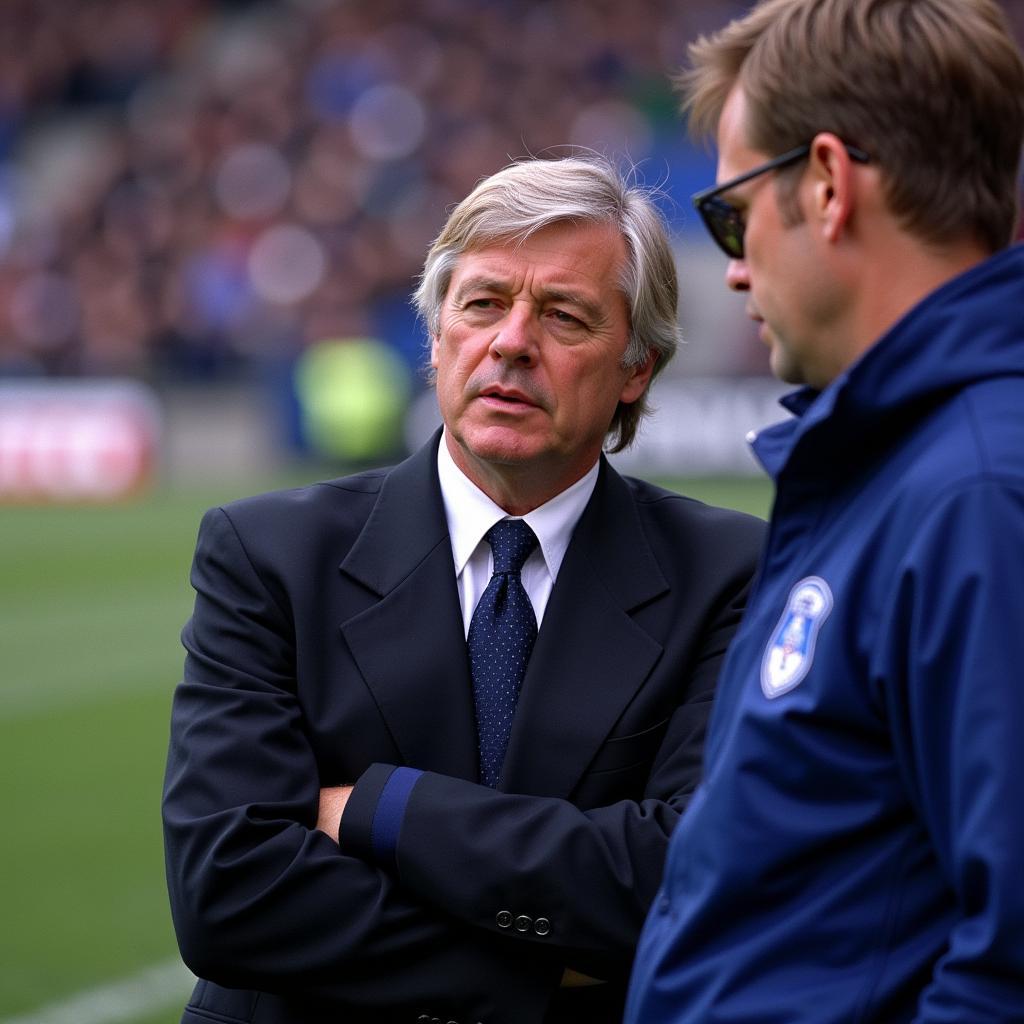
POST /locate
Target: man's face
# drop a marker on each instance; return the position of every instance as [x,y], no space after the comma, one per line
[529,354]
[788,290]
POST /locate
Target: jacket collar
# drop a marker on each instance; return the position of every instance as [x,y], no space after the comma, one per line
[407,524]
[965,331]
[590,656]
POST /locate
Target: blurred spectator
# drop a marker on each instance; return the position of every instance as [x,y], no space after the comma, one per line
[191,185]
[191,188]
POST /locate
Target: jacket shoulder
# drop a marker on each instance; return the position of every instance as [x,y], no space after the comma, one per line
[678,511]
[299,505]
[318,520]
[696,541]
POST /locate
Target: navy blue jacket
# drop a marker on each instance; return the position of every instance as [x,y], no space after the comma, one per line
[856,851]
[327,647]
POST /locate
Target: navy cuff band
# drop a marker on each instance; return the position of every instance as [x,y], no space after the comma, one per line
[390,812]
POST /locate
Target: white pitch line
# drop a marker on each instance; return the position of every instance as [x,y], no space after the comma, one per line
[119,1002]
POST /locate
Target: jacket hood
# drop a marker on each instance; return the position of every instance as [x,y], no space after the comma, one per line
[968,330]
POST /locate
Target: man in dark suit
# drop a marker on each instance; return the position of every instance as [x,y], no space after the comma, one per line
[371,812]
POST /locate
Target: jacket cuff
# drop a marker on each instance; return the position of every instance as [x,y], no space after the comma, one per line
[373,815]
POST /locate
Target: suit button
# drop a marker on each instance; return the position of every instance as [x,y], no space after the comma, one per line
[523,923]
[504,919]
[542,926]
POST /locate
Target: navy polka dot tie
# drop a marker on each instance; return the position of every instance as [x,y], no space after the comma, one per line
[501,636]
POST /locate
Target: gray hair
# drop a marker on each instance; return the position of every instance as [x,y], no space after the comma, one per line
[533,194]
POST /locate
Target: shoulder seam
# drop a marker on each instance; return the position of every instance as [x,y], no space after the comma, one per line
[245,551]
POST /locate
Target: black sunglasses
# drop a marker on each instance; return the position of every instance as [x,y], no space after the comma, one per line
[724,221]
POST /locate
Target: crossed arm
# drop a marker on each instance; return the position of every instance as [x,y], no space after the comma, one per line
[332,807]
[263,898]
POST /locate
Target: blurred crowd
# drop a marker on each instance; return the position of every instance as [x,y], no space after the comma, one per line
[191,187]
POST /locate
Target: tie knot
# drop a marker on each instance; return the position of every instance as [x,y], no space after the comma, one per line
[512,541]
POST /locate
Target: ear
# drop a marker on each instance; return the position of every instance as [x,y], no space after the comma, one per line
[833,185]
[435,344]
[638,379]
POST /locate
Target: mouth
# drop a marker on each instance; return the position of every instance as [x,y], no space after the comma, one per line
[762,327]
[506,397]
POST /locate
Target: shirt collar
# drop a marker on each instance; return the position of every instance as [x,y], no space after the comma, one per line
[471,513]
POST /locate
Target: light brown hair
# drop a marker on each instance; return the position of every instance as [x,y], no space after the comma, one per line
[933,90]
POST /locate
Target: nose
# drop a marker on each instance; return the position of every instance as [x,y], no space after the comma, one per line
[736,276]
[516,340]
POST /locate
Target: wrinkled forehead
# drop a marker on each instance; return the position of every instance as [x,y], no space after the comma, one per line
[585,258]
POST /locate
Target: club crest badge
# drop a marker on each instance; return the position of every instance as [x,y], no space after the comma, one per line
[789,654]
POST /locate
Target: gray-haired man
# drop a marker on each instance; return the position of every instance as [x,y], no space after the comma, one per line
[491,665]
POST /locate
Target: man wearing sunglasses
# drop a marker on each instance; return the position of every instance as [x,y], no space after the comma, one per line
[854,852]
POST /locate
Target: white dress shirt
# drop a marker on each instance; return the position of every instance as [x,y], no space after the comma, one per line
[470,514]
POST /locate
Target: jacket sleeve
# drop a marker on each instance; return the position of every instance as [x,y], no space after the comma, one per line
[260,898]
[958,739]
[540,869]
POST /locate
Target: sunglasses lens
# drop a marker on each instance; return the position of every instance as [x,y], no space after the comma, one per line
[725,224]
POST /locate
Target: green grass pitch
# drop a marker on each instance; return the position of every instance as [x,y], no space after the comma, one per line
[91,603]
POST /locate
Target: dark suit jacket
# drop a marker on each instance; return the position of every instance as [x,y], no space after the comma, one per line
[327,637]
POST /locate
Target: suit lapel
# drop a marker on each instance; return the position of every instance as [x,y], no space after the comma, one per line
[410,646]
[590,657]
